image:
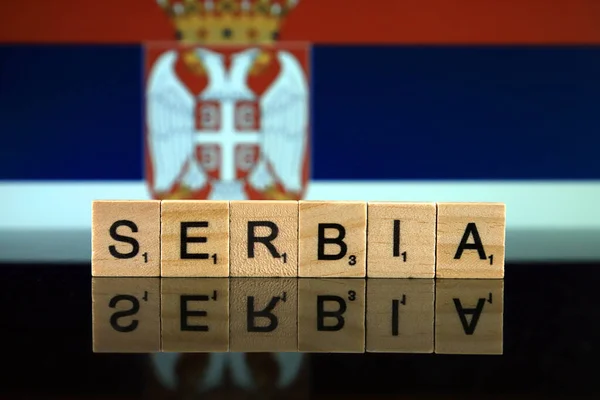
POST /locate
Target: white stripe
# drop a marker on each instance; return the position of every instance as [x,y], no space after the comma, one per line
[545,220]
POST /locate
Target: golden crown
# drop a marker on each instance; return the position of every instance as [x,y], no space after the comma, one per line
[216,22]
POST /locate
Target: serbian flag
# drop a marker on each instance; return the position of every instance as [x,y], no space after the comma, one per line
[334,99]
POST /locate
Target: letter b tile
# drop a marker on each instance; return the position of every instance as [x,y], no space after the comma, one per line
[332,239]
[331,315]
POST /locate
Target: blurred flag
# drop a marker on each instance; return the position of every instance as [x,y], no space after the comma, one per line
[278,99]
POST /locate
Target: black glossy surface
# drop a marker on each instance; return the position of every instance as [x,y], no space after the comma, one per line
[551,345]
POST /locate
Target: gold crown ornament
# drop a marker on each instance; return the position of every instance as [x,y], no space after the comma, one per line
[227,22]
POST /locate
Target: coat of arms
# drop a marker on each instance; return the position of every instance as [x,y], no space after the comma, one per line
[227,106]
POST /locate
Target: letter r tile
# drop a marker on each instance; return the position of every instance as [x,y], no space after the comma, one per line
[194,238]
[332,239]
[263,315]
[264,238]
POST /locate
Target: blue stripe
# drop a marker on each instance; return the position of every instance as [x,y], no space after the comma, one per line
[75,113]
[71,112]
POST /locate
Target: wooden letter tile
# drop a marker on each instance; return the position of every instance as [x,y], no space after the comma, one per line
[126,238]
[470,240]
[195,238]
[264,315]
[126,315]
[468,316]
[401,240]
[400,315]
[332,239]
[264,238]
[331,315]
[195,314]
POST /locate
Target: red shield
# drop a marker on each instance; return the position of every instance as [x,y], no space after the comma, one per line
[227,122]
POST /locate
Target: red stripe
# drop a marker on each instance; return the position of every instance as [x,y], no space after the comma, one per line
[319,21]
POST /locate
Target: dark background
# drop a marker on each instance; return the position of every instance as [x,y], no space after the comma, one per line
[551,348]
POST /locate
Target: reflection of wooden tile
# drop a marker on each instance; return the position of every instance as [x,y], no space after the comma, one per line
[331,315]
[126,238]
[400,315]
[332,239]
[264,238]
[126,315]
[468,316]
[401,240]
[470,240]
[195,314]
[195,238]
[264,314]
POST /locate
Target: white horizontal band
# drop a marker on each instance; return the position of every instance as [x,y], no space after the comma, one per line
[546,221]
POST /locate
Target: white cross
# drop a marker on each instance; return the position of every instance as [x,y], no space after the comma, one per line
[227,138]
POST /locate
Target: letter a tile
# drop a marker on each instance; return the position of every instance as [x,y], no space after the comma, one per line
[470,240]
[195,238]
[332,239]
[126,238]
[469,316]
[264,238]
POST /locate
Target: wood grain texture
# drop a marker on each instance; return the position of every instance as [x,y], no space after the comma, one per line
[350,215]
[400,315]
[469,221]
[343,332]
[126,315]
[200,218]
[481,304]
[139,253]
[264,219]
[273,327]
[401,240]
[195,314]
